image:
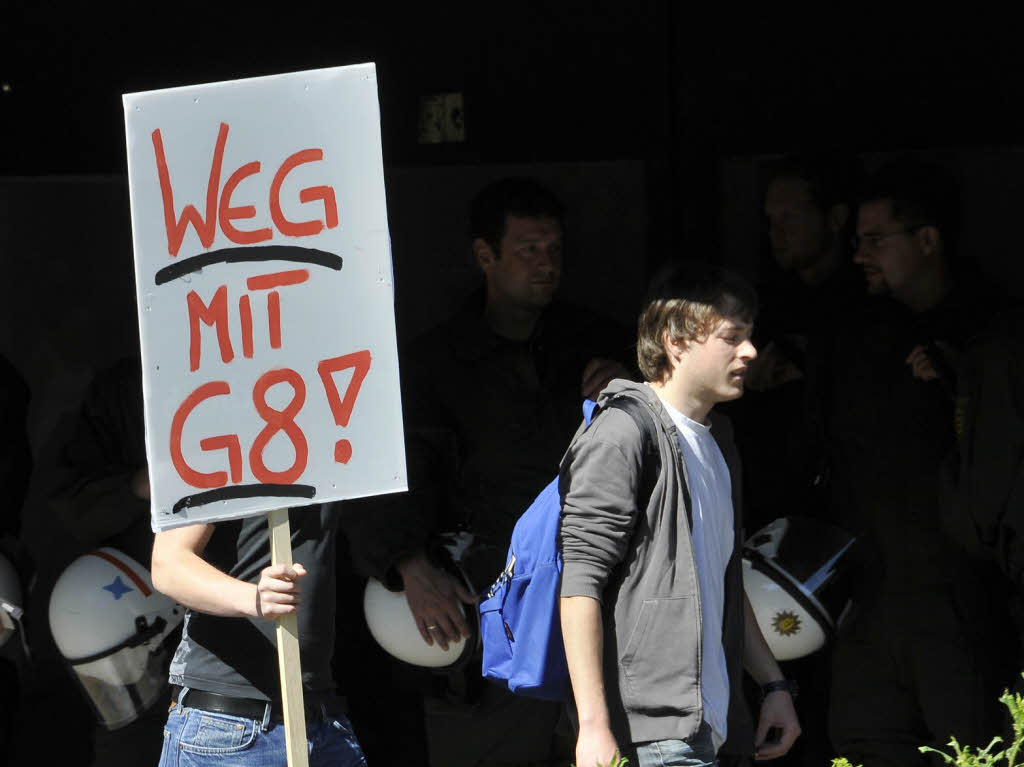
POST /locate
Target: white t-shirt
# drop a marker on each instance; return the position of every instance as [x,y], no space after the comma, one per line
[711,501]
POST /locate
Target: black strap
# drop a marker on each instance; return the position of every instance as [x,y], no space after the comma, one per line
[644,419]
[642,415]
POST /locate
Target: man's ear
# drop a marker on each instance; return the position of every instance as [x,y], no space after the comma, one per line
[930,239]
[674,349]
[838,215]
[484,254]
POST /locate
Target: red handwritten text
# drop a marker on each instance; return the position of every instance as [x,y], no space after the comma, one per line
[276,421]
[206,227]
[215,314]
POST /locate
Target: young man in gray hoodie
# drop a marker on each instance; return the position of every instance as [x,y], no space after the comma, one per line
[653,613]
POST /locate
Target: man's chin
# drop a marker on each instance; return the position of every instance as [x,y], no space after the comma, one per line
[790,261]
[543,296]
[783,259]
[730,392]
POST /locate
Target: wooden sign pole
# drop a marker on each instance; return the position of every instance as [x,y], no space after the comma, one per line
[288,650]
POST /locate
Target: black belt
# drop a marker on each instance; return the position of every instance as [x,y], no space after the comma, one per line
[247,708]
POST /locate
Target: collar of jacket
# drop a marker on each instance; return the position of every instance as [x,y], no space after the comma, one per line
[473,339]
[642,392]
[721,430]
[721,427]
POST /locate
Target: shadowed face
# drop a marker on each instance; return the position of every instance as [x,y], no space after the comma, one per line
[892,254]
[796,227]
[528,266]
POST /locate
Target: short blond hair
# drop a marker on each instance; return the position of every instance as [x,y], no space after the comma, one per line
[687,302]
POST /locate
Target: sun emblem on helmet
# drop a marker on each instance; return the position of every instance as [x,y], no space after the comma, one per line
[786,623]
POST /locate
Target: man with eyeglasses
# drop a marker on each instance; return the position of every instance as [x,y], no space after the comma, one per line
[918,663]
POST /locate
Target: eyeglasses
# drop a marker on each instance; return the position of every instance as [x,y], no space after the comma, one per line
[872,241]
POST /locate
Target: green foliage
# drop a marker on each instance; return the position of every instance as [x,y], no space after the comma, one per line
[618,761]
[965,756]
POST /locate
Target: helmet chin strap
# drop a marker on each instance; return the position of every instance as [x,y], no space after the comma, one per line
[16,614]
[146,632]
[13,610]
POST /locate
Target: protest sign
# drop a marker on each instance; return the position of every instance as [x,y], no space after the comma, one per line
[266,313]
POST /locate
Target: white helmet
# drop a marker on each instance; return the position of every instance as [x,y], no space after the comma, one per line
[112,629]
[10,600]
[392,624]
[796,573]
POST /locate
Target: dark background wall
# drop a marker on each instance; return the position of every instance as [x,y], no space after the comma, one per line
[650,118]
[650,80]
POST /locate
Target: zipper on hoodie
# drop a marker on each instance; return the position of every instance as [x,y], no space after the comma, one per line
[684,478]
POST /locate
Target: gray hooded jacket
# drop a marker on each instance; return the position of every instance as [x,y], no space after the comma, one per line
[639,564]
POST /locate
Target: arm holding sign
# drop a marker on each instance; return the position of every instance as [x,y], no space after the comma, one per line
[180,572]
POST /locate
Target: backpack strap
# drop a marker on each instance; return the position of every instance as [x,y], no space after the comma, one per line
[644,420]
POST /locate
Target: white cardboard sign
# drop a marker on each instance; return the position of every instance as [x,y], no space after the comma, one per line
[266,312]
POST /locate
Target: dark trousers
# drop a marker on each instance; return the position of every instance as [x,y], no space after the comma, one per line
[915,669]
[498,728]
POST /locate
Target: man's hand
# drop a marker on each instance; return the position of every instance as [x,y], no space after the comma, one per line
[433,597]
[771,367]
[598,373]
[140,483]
[595,746]
[776,711]
[924,367]
[277,592]
[920,364]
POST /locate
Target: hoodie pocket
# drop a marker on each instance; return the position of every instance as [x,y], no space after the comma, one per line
[660,658]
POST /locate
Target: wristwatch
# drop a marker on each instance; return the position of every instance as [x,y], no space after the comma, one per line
[789,685]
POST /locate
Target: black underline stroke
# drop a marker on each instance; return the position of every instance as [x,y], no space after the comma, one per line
[246,255]
[244,491]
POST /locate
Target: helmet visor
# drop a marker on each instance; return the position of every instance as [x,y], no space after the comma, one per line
[124,684]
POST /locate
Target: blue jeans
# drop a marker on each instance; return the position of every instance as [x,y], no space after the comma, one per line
[698,751]
[194,738]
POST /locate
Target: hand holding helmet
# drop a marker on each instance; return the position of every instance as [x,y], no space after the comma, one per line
[426,624]
[434,597]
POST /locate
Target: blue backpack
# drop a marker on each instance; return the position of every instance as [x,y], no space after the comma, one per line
[520,628]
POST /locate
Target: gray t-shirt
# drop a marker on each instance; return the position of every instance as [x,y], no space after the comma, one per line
[238,656]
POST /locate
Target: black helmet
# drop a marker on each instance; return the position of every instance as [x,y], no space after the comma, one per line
[798,577]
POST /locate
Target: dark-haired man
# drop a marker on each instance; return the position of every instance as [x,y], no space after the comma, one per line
[917,665]
[807,204]
[491,398]
[810,288]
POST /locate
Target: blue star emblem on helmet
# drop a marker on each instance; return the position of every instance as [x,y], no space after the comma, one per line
[117,588]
